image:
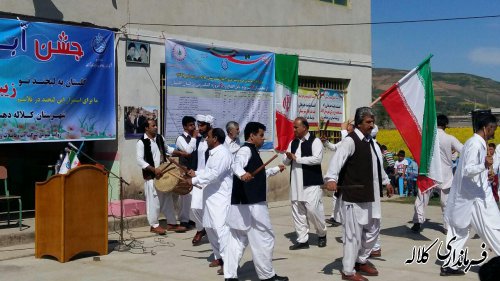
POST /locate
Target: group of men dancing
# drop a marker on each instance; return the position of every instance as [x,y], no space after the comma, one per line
[228,201]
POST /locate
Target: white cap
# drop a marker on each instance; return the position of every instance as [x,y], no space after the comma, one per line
[374,131]
[205,118]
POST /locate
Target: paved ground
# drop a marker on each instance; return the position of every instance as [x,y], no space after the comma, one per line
[173,257]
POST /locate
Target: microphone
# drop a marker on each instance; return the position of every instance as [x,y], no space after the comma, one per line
[72,146]
[66,150]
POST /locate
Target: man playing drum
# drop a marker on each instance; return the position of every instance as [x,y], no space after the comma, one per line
[151,152]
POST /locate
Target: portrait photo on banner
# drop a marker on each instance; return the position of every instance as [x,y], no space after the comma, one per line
[135,116]
[137,52]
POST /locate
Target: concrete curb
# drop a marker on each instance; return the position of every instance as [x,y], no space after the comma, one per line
[14,236]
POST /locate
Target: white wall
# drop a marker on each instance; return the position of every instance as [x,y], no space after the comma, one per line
[324,51]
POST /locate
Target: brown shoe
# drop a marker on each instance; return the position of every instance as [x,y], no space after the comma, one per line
[221,270]
[376,253]
[175,227]
[158,230]
[366,269]
[198,236]
[355,277]
[215,263]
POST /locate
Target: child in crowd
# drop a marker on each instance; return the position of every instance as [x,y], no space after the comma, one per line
[400,167]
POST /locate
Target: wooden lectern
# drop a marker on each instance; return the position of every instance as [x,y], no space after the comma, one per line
[71,214]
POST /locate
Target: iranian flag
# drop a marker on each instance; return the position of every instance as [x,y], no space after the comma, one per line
[70,161]
[410,104]
[286,86]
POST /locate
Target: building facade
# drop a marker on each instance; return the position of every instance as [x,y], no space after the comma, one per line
[334,51]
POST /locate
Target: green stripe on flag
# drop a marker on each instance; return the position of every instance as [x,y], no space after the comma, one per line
[287,69]
[429,126]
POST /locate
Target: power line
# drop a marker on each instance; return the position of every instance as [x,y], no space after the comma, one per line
[316,25]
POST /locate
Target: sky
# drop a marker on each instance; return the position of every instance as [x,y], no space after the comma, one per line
[460,46]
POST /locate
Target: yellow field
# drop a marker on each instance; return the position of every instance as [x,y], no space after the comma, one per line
[392,139]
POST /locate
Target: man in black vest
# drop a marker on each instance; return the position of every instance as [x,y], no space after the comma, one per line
[248,218]
[305,153]
[151,152]
[357,167]
[186,142]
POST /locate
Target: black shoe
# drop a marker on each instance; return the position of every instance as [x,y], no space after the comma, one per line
[298,246]
[416,227]
[192,223]
[186,225]
[322,241]
[448,271]
[333,222]
[231,279]
[277,278]
[330,220]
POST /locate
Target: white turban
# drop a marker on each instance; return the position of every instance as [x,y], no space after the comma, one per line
[374,131]
[205,118]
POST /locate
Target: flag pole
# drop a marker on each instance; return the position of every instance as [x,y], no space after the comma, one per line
[375,101]
[418,67]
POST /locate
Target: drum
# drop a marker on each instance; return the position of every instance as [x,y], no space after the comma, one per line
[171,180]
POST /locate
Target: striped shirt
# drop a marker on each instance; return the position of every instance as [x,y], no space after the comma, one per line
[389,157]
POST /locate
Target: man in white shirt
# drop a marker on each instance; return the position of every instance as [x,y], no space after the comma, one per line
[447,143]
[232,138]
[186,142]
[360,195]
[198,160]
[304,154]
[248,217]
[496,160]
[216,179]
[471,202]
[151,151]
[346,127]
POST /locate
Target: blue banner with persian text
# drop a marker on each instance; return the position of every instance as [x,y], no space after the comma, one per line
[57,82]
[229,84]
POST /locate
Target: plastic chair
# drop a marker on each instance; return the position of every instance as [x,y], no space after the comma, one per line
[8,197]
[401,185]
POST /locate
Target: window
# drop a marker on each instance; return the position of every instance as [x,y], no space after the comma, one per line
[319,85]
[340,2]
[337,2]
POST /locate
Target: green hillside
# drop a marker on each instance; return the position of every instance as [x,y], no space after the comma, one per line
[456,93]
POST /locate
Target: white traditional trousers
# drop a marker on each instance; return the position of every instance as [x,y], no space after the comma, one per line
[336,209]
[184,207]
[259,235]
[157,202]
[197,217]
[309,212]
[359,239]
[487,233]
[422,201]
[218,238]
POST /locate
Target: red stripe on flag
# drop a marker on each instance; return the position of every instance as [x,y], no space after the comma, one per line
[407,126]
[284,131]
[424,183]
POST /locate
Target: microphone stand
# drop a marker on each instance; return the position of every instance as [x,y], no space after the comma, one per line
[121,247]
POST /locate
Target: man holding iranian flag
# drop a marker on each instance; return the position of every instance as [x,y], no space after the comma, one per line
[410,104]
